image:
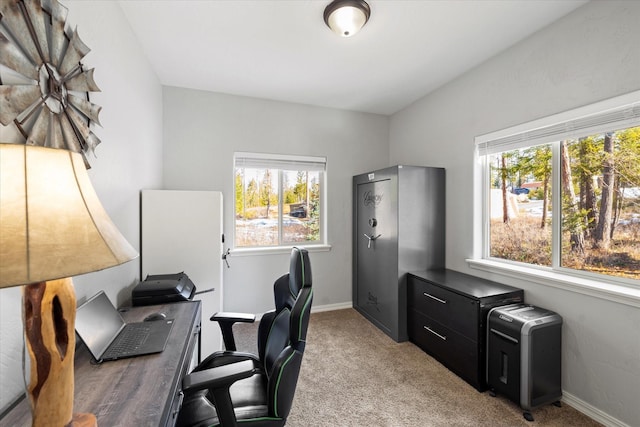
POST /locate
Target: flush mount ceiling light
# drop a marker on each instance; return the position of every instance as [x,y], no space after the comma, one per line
[346,17]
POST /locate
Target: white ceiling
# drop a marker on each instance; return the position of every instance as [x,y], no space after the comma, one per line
[282,50]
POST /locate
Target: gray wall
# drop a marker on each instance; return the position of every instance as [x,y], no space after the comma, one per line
[202,130]
[590,55]
[129,158]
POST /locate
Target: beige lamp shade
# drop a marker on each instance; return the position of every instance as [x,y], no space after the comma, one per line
[52,224]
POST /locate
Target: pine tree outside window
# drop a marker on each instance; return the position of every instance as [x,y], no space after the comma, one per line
[279,200]
[563,193]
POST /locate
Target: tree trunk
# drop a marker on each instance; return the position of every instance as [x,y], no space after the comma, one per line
[618,202]
[590,204]
[545,202]
[306,191]
[587,192]
[577,235]
[505,201]
[603,230]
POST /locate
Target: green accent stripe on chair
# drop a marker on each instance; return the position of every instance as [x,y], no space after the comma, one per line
[275,395]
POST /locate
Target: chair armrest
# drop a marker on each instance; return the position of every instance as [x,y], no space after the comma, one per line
[217,381]
[219,377]
[225,316]
[226,321]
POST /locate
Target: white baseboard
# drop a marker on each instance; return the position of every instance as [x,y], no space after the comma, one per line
[320,308]
[591,411]
[331,307]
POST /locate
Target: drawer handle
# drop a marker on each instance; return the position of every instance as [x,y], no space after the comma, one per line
[442,337]
[435,298]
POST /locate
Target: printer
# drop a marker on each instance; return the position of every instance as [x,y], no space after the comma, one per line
[162,289]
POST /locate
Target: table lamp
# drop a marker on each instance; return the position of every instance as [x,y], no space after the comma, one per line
[52,226]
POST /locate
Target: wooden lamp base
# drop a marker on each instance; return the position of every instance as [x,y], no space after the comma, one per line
[49,324]
[83,420]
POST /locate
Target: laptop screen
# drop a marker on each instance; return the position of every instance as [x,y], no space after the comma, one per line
[97,323]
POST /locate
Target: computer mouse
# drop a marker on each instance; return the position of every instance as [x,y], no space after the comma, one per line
[155,316]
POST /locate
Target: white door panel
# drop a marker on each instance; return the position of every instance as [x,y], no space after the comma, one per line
[182,231]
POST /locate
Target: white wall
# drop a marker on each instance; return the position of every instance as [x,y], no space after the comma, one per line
[588,56]
[129,158]
[202,131]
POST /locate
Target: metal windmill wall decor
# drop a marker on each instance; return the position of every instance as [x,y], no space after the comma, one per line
[48,98]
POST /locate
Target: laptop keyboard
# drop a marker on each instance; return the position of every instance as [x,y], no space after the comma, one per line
[133,337]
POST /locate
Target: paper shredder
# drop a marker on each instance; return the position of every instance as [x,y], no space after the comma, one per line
[524,355]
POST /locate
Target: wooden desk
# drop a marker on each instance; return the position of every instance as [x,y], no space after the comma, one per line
[139,391]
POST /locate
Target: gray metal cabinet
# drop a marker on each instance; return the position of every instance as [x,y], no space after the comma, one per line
[398,226]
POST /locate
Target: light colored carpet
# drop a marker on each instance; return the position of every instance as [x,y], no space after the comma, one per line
[354,375]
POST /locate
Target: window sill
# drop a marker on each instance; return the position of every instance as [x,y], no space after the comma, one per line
[609,291]
[277,250]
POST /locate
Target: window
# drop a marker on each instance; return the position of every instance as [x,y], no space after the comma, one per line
[278,200]
[563,193]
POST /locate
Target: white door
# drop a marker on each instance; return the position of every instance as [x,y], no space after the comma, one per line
[182,231]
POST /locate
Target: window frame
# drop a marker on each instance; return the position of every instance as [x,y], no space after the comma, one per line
[625,111]
[276,161]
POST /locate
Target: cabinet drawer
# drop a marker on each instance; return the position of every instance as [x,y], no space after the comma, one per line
[452,310]
[450,348]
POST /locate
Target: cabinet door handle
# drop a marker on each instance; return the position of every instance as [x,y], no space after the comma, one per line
[435,298]
[442,337]
[371,239]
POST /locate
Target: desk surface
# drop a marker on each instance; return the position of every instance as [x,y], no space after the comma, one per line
[139,391]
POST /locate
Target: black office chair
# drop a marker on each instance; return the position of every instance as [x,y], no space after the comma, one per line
[231,387]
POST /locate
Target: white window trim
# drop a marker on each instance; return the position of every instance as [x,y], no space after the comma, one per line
[624,291]
[610,291]
[322,245]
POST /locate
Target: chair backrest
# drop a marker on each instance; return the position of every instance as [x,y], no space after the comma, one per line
[274,330]
[283,359]
[301,309]
[288,286]
[282,336]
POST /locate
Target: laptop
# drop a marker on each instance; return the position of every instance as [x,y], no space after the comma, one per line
[108,337]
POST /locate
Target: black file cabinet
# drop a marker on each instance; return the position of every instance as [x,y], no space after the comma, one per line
[524,355]
[447,317]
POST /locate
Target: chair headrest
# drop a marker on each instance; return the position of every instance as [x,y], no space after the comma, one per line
[300,283]
[288,286]
[299,270]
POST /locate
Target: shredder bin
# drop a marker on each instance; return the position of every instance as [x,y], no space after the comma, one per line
[524,355]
